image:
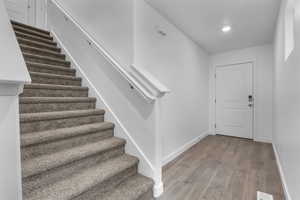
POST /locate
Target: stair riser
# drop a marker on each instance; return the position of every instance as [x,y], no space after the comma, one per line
[31,32]
[41,53]
[15,23]
[30,92]
[35,38]
[97,191]
[61,63]
[57,106]
[147,196]
[55,81]
[51,176]
[50,71]
[36,126]
[55,146]
[40,45]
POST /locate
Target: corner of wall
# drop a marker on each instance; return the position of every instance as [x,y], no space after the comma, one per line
[282,176]
[184,148]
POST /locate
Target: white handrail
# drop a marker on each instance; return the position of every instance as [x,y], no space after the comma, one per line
[154,86]
[117,66]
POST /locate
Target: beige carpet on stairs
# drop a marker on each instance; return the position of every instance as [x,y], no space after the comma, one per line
[68,149]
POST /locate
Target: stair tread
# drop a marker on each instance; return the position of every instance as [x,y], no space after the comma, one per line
[56,99]
[69,188]
[31,31]
[46,162]
[131,189]
[54,87]
[30,117]
[52,46]
[49,66]
[46,58]
[62,133]
[32,27]
[48,75]
[33,37]
[41,50]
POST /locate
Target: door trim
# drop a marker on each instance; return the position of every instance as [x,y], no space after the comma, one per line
[253,61]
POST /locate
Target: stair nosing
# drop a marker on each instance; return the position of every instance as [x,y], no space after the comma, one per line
[50,66]
[57,159]
[46,58]
[30,31]
[54,46]
[36,138]
[25,25]
[125,160]
[42,116]
[54,53]
[54,87]
[57,76]
[29,100]
[34,37]
[148,185]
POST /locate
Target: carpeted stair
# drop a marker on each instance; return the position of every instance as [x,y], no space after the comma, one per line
[68,150]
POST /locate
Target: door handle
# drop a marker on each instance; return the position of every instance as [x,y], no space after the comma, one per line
[250,98]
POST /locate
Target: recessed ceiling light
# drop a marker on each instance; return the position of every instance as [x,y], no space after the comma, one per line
[226,29]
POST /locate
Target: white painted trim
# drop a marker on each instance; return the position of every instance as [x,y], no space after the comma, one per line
[154,86]
[11,89]
[158,189]
[184,148]
[144,92]
[130,141]
[253,61]
[283,180]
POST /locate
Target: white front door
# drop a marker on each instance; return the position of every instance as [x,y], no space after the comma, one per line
[234,100]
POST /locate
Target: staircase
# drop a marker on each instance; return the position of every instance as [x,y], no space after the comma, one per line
[68,150]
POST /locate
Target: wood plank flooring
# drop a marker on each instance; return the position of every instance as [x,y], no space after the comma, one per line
[223,168]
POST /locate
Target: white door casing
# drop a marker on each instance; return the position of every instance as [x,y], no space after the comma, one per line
[234,108]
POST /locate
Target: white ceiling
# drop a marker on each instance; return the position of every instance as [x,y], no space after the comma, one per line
[253,21]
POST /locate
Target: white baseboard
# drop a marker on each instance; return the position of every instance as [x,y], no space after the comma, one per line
[283,180]
[184,148]
[264,140]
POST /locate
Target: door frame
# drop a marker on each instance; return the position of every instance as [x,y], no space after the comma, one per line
[253,61]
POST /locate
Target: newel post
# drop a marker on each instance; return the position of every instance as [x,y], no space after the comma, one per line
[10,168]
[155,91]
[158,183]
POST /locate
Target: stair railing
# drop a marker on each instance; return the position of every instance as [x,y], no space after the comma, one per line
[138,79]
[145,89]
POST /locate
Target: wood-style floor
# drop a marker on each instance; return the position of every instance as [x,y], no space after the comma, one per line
[223,168]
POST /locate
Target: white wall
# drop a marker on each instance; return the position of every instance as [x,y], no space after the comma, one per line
[174,59]
[133,116]
[110,22]
[263,70]
[11,56]
[13,75]
[287,106]
[183,67]
[17,10]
